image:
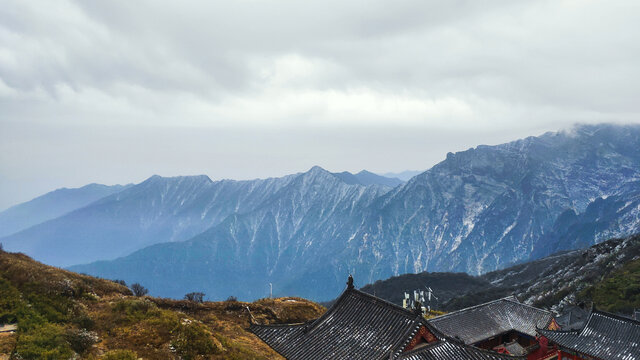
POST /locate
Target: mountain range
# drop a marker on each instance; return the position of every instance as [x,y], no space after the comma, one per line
[478,210]
[51,206]
[553,282]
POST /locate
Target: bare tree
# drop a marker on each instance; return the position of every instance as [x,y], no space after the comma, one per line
[194,296]
[139,290]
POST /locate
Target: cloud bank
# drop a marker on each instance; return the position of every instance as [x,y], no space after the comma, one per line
[278,75]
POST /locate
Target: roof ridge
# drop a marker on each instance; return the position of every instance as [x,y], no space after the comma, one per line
[384,302]
[558,331]
[405,339]
[494,353]
[475,307]
[426,347]
[363,294]
[530,306]
[341,298]
[454,343]
[280,325]
[615,316]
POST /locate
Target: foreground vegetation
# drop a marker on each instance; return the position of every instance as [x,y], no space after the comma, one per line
[64,315]
[619,292]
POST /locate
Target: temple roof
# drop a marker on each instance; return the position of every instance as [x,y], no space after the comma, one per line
[357,326]
[573,318]
[451,350]
[604,336]
[481,322]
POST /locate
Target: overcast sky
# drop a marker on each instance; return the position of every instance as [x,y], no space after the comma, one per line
[116,91]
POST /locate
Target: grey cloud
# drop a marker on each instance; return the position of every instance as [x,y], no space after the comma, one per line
[386,82]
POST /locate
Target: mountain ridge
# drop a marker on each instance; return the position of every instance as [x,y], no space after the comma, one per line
[52,205]
[159,209]
[476,211]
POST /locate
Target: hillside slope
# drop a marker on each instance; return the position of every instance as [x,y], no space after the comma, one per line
[60,313]
[557,280]
[606,273]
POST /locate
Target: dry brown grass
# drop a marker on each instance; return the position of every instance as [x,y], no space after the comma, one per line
[21,270]
[149,325]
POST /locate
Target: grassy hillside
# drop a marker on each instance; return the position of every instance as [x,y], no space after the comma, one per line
[619,292]
[61,314]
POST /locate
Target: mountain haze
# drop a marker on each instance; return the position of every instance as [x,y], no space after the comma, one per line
[476,211]
[158,210]
[403,175]
[52,205]
[276,238]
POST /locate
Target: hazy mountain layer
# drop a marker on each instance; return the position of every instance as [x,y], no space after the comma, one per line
[156,210]
[52,205]
[477,211]
[163,210]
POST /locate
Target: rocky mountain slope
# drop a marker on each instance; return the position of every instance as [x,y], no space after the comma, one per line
[52,205]
[477,211]
[569,277]
[64,315]
[164,210]
[247,251]
[557,280]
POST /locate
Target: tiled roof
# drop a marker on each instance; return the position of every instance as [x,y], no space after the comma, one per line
[451,350]
[604,336]
[484,321]
[357,326]
[573,318]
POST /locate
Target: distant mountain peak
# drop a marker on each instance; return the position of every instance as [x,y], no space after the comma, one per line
[403,175]
[177,179]
[476,211]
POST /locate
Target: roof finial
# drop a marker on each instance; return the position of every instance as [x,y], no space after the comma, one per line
[418,308]
[350,282]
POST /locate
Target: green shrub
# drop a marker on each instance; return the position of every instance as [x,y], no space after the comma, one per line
[9,302]
[619,291]
[120,355]
[81,340]
[193,341]
[45,342]
[135,310]
[84,321]
[53,307]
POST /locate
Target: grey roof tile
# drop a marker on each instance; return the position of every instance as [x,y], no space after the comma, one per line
[604,336]
[477,323]
[573,318]
[451,350]
[357,326]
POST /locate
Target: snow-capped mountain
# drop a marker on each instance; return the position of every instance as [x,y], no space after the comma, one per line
[477,211]
[157,210]
[275,240]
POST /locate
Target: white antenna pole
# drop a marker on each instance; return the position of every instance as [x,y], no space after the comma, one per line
[270,291]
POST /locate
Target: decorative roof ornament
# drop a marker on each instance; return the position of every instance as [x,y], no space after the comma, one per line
[350,282]
[418,308]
